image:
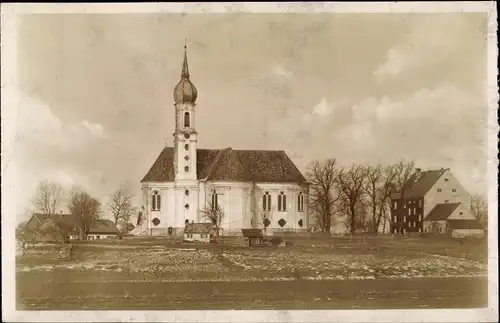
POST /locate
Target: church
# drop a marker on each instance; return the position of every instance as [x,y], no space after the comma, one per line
[247,186]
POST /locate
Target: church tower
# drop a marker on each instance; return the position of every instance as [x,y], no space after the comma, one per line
[185,145]
[185,135]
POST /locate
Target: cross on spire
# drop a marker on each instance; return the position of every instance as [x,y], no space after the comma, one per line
[185,68]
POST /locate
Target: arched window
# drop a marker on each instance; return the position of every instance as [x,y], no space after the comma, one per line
[215,200]
[156,201]
[282,202]
[266,202]
[186,147]
[300,202]
[186,169]
[187,122]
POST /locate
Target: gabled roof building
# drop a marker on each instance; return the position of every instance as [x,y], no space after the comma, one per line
[185,180]
[432,201]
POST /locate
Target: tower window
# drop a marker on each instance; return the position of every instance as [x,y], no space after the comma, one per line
[215,200]
[266,202]
[186,192]
[186,169]
[300,202]
[186,206]
[186,147]
[282,202]
[187,120]
[156,201]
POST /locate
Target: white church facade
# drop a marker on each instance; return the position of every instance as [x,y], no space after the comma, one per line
[245,184]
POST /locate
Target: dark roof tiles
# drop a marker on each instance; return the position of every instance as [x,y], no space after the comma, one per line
[464,224]
[441,212]
[231,165]
[417,188]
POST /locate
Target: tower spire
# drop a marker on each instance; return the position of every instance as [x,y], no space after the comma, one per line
[185,68]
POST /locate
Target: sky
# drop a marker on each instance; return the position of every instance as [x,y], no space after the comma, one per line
[96,108]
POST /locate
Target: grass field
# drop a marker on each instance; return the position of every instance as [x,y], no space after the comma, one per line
[312,273]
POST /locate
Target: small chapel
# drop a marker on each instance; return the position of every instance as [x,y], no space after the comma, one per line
[247,186]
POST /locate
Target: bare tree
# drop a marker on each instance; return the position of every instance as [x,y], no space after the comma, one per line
[48,197]
[85,208]
[350,183]
[263,220]
[403,170]
[479,208]
[372,191]
[121,206]
[322,198]
[215,214]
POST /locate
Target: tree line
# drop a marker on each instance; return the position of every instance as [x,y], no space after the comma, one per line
[50,196]
[358,196]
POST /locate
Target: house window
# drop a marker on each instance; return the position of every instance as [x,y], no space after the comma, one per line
[439,190]
[445,179]
[454,190]
[266,202]
[215,200]
[156,201]
[420,217]
[98,237]
[186,120]
[282,202]
[186,169]
[420,203]
[446,201]
[395,205]
[395,219]
[409,211]
[300,202]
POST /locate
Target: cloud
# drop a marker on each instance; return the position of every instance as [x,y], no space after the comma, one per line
[95,129]
[43,147]
[430,41]
[322,109]
[280,72]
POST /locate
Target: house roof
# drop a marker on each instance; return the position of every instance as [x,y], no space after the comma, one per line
[198,228]
[441,212]
[70,223]
[230,165]
[418,187]
[464,224]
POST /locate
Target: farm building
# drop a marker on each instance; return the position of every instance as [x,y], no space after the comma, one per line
[62,227]
[198,232]
[184,180]
[433,201]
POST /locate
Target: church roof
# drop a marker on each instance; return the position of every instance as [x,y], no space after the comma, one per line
[271,166]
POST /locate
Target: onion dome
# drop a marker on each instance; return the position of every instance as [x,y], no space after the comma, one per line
[185,91]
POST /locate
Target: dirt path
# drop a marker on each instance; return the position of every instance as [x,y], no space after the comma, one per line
[383,293]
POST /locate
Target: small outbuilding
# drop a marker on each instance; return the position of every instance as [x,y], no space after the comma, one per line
[254,236]
[198,232]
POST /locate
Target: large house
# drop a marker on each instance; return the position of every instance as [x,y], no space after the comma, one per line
[433,201]
[61,227]
[185,180]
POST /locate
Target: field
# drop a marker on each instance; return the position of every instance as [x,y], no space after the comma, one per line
[380,272]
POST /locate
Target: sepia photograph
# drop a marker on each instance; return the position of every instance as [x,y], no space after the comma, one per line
[245,157]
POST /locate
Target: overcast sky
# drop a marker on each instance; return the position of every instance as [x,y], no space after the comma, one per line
[96,103]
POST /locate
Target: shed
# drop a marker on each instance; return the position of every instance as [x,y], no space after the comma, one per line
[201,232]
[255,237]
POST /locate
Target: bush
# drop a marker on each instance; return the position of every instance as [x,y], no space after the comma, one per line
[276,240]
